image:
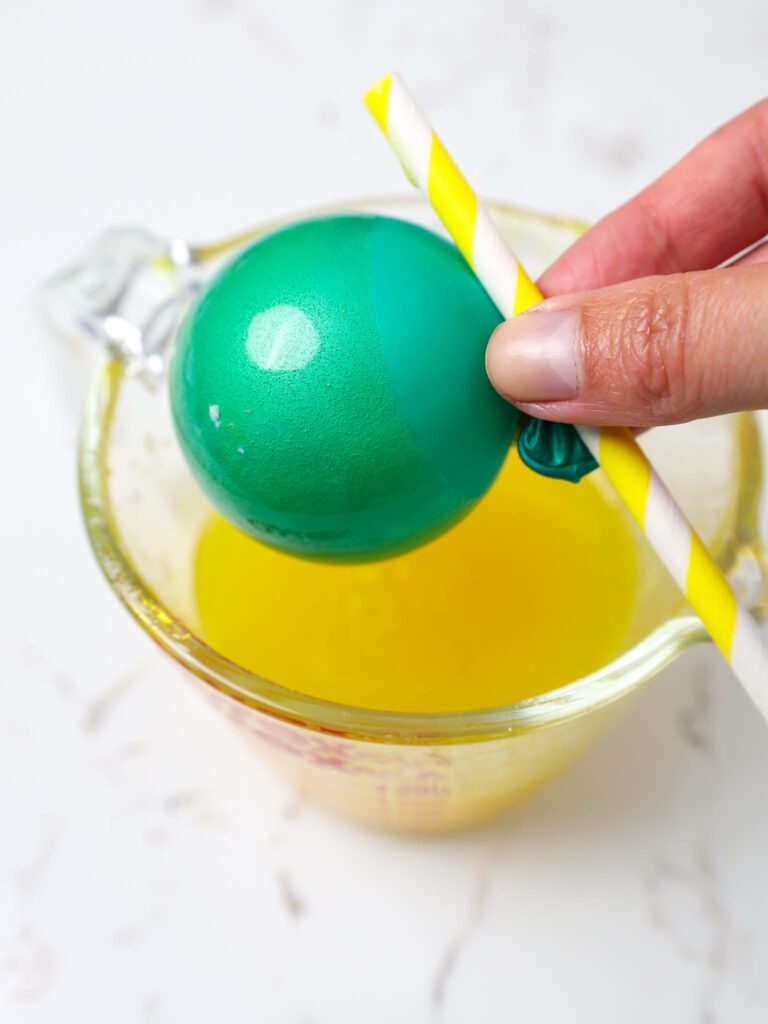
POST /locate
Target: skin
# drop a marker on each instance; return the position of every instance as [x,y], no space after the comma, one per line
[659,335]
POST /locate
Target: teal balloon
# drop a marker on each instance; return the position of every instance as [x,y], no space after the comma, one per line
[329,391]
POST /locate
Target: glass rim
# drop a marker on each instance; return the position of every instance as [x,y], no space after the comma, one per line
[603,686]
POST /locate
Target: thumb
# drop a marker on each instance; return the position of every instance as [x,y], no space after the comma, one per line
[651,351]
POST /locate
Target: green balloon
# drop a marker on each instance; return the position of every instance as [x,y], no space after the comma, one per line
[329,391]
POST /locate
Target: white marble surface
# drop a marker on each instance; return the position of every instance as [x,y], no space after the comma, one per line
[150,870]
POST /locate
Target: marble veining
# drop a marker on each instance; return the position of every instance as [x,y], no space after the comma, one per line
[694,718]
[451,957]
[686,905]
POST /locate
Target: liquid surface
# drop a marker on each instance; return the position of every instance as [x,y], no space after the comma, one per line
[534,589]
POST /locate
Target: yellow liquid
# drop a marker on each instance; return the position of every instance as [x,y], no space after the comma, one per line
[534,589]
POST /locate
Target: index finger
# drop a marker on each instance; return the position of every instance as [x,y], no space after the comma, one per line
[706,208]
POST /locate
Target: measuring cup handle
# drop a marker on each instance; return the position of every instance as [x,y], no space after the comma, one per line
[126,292]
[749,578]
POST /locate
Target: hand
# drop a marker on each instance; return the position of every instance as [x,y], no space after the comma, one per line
[686,341]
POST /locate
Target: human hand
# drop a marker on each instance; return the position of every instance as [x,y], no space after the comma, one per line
[675,341]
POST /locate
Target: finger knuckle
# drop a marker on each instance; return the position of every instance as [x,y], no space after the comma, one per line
[646,351]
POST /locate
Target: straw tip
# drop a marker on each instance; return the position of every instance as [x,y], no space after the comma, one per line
[376,100]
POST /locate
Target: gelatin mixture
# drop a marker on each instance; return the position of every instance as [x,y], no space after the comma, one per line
[532,590]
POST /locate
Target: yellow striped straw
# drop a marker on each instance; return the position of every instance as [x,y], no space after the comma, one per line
[432,170]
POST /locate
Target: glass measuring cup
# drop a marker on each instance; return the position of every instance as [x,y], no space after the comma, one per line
[422,772]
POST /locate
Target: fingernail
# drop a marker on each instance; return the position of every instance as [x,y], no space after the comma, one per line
[532,357]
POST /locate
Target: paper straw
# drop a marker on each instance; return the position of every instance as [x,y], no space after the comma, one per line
[432,170]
